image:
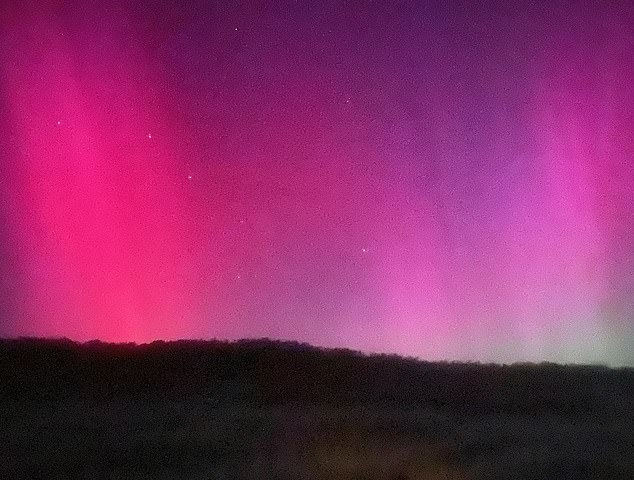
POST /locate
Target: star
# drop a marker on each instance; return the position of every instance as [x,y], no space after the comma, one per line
[149,135]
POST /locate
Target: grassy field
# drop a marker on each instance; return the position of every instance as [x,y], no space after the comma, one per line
[268,410]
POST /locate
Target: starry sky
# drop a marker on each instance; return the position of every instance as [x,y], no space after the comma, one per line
[444,180]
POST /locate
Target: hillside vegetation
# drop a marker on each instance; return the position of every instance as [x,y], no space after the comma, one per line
[261,409]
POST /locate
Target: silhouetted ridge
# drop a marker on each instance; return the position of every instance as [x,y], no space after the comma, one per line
[264,373]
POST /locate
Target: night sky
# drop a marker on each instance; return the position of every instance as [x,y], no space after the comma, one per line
[446,180]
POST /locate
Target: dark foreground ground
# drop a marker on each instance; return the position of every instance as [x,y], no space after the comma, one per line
[269,410]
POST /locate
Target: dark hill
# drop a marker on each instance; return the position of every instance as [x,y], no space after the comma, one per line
[265,410]
[269,373]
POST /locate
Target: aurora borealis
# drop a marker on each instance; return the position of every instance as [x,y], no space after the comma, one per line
[446,180]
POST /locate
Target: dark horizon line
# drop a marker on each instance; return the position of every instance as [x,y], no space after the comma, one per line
[298,346]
